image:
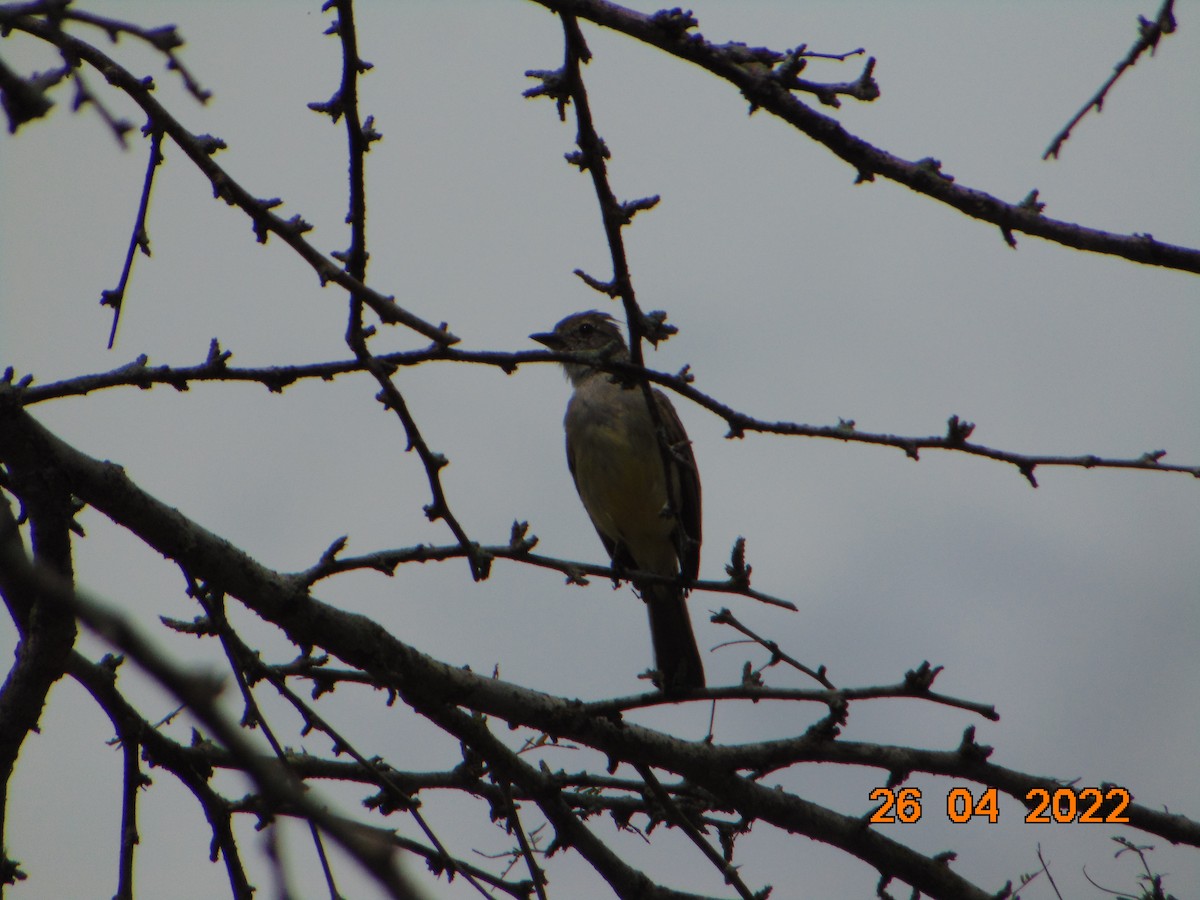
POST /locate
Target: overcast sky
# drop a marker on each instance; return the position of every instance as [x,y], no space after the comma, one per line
[1074,608]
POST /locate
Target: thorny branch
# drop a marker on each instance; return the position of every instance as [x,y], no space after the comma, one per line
[360,136]
[141,374]
[200,149]
[191,766]
[199,695]
[428,686]
[719,786]
[139,240]
[241,663]
[1149,34]
[753,71]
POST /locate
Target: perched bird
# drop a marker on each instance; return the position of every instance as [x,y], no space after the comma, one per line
[642,493]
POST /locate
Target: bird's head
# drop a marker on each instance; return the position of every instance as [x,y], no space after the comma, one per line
[591,333]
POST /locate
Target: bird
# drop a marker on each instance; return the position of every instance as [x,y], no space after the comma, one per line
[641,493]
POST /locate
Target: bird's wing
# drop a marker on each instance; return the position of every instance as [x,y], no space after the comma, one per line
[685,487]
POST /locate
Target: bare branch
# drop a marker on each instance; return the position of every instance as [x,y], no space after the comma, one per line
[140,374]
[200,694]
[1149,34]
[199,150]
[743,68]
[139,240]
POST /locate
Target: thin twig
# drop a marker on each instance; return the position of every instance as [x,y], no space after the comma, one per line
[1149,34]
[744,68]
[1046,869]
[725,617]
[592,158]
[199,149]
[536,875]
[676,817]
[138,240]
[200,694]
[140,374]
[238,654]
[132,782]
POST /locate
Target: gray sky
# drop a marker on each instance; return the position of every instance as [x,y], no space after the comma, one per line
[799,296]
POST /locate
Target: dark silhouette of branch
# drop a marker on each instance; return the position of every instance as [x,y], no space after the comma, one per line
[526,850]
[431,685]
[751,71]
[139,240]
[191,766]
[714,793]
[199,694]
[165,39]
[438,691]
[680,820]
[246,666]
[344,105]
[276,378]
[566,85]
[45,635]
[957,432]
[1149,34]
[243,666]
[23,99]
[200,149]
[133,780]
[836,699]
[195,764]
[359,137]
[725,617]
[1152,882]
[518,550]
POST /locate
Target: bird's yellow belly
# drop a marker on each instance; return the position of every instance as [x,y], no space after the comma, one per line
[625,495]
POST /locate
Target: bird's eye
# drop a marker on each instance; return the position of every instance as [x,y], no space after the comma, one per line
[586,328]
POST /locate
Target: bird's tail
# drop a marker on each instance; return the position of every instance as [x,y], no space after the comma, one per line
[676,655]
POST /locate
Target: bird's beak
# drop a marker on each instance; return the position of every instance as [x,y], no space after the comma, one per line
[549,338]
